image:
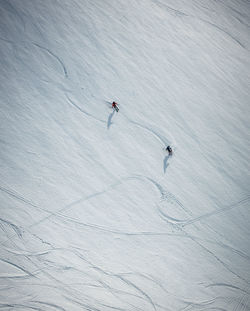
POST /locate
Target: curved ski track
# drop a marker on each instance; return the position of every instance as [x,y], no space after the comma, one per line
[181,14]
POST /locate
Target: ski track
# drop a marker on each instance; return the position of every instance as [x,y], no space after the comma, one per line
[169,9]
[218,234]
[107,230]
[83,111]
[195,305]
[42,303]
[234,39]
[163,195]
[7,305]
[138,289]
[227,247]
[123,279]
[22,199]
[180,224]
[29,254]
[184,223]
[169,219]
[60,214]
[27,273]
[242,16]
[115,293]
[13,226]
[63,287]
[87,307]
[49,52]
[228,286]
[18,197]
[219,211]
[209,304]
[220,244]
[164,141]
[161,138]
[179,13]
[8,41]
[217,258]
[104,285]
[240,304]
[102,270]
[54,56]
[144,233]
[154,282]
[68,291]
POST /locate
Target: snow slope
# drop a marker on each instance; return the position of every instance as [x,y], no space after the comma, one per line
[94,214]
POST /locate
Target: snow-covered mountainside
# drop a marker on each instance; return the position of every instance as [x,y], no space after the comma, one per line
[94,214]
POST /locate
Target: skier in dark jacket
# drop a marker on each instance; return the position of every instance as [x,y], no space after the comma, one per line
[169,149]
[114,105]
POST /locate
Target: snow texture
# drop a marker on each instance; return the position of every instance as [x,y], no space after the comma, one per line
[94,214]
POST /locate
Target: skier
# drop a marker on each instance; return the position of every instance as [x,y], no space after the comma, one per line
[169,149]
[114,105]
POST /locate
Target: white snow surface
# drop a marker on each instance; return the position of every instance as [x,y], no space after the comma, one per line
[94,214]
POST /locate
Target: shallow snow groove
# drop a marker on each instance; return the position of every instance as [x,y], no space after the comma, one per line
[237,41]
[82,110]
[54,56]
[15,228]
[184,223]
[164,195]
[219,211]
[179,13]
[229,286]
[169,9]
[49,52]
[222,262]
[27,273]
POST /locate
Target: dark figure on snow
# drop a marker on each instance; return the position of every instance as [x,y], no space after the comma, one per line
[169,149]
[114,105]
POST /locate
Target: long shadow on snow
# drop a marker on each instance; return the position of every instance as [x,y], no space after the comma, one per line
[165,163]
[110,119]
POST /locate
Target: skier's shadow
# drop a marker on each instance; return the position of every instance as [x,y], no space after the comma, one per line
[110,119]
[165,163]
